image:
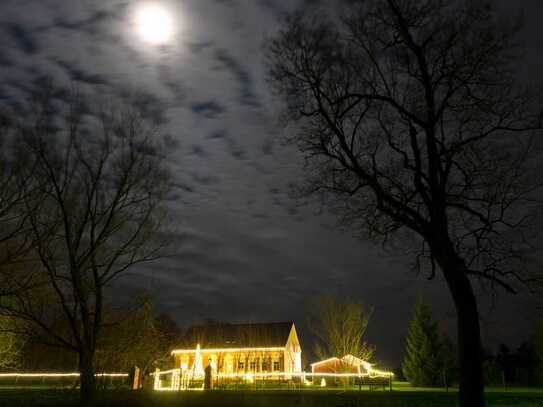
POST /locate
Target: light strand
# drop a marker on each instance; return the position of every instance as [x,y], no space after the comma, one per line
[218,350]
[60,374]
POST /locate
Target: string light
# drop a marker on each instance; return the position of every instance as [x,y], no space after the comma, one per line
[369,372]
[325,361]
[60,374]
[250,377]
[219,350]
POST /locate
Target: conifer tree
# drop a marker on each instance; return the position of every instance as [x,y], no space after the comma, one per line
[422,362]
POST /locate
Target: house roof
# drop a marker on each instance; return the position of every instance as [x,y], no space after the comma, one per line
[329,360]
[347,359]
[222,335]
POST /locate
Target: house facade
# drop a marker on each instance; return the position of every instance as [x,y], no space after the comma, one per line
[234,349]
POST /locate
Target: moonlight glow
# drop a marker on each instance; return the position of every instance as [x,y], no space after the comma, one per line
[154,24]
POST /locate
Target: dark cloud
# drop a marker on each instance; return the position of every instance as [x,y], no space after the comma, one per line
[234,148]
[205,179]
[5,60]
[198,150]
[182,186]
[149,104]
[210,109]
[259,167]
[88,24]
[170,142]
[247,93]
[95,22]
[219,134]
[23,38]
[197,47]
[267,146]
[79,75]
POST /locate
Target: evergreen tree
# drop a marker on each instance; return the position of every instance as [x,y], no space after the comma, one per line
[424,356]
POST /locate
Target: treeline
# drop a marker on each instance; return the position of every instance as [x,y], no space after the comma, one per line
[430,357]
[520,367]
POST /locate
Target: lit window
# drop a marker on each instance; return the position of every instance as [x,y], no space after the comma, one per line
[265,365]
[253,365]
[276,365]
[240,365]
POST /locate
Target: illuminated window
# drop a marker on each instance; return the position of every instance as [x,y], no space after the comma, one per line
[240,365]
[264,365]
[276,365]
[253,366]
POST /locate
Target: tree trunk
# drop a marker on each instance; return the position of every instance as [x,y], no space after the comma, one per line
[471,391]
[87,379]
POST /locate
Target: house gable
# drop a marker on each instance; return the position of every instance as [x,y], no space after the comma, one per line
[293,340]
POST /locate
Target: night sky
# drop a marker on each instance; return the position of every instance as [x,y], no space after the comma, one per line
[244,250]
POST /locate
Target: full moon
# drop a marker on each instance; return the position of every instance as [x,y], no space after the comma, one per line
[154,24]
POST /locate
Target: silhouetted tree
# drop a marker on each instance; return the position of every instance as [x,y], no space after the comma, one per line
[422,364]
[135,337]
[519,367]
[339,326]
[11,345]
[527,365]
[14,184]
[95,211]
[412,124]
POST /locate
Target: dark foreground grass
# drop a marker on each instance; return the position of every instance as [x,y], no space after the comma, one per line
[69,398]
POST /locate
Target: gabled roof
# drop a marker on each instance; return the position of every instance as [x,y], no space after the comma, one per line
[222,335]
[329,360]
[349,360]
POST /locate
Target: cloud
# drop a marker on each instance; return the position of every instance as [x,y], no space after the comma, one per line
[247,94]
[149,104]
[267,146]
[235,149]
[95,20]
[170,142]
[209,110]
[198,150]
[218,134]
[79,75]
[182,186]
[23,38]
[205,180]
[198,47]
[87,24]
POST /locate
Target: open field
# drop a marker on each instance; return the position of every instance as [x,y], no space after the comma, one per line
[11,397]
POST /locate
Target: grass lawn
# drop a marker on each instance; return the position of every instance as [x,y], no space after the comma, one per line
[11,397]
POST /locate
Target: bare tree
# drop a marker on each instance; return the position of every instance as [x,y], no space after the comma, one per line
[94,212]
[13,187]
[412,124]
[339,326]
